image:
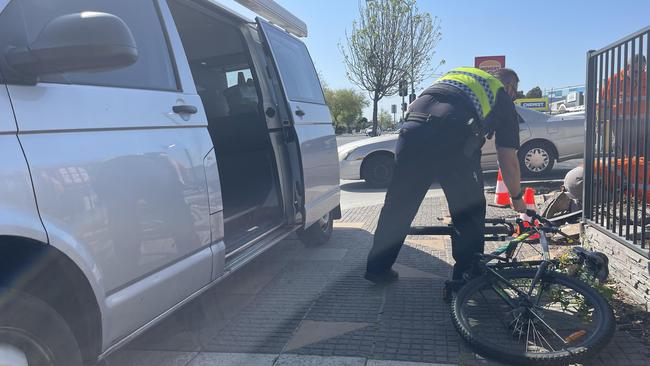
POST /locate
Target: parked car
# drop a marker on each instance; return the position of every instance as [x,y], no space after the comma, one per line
[369,132]
[149,149]
[544,140]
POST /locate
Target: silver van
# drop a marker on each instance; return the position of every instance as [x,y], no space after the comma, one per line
[148,149]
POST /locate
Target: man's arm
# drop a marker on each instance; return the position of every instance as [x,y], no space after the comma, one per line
[509,165]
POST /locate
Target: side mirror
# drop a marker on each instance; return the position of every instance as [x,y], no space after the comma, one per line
[76,42]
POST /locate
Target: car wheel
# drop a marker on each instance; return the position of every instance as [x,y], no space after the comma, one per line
[319,232]
[536,159]
[378,170]
[34,334]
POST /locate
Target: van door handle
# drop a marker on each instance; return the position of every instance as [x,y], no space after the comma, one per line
[184,109]
[300,112]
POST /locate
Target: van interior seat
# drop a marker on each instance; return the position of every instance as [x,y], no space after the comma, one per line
[242,145]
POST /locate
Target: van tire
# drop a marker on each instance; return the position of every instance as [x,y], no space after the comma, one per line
[319,232]
[30,328]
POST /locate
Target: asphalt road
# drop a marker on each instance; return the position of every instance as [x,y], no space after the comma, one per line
[358,193]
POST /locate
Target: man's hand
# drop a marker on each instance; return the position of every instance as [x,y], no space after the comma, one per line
[518,205]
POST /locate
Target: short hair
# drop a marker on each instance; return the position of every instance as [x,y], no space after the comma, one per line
[506,75]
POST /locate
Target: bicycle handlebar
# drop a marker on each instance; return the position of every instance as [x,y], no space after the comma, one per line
[533,215]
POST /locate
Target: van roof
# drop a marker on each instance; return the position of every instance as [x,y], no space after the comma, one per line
[267,9]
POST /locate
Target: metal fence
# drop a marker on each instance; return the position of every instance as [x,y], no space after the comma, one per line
[616,194]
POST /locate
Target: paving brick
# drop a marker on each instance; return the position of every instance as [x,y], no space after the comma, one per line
[150,358]
[302,360]
[264,308]
[233,359]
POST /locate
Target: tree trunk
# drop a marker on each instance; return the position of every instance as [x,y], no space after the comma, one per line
[375,122]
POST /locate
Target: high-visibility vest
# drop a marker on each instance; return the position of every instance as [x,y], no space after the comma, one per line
[478,85]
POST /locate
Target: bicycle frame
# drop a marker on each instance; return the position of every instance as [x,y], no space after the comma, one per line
[507,262]
[500,230]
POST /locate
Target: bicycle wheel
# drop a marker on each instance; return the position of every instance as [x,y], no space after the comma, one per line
[564,321]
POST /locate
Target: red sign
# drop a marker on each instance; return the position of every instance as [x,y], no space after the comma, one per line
[490,63]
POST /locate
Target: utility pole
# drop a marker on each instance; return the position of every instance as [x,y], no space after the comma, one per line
[403,92]
[412,96]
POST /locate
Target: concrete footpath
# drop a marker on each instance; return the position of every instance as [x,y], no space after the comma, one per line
[298,305]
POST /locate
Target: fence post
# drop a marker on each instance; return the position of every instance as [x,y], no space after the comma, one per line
[590,107]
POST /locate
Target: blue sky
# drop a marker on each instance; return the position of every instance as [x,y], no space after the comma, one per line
[544,41]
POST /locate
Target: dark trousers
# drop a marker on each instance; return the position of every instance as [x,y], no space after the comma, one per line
[426,152]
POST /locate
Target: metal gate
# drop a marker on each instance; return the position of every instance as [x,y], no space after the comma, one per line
[616,194]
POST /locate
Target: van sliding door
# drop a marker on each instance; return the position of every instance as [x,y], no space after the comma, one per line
[309,118]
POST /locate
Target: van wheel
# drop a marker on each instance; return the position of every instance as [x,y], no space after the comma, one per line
[319,232]
[34,334]
[378,170]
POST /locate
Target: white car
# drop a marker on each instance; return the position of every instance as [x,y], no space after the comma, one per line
[544,140]
[369,131]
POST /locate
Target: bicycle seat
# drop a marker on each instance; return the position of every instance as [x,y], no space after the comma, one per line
[597,263]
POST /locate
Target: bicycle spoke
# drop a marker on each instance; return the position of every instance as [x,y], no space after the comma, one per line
[556,316]
[527,337]
[542,339]
[521,329]
[496,314]
[547,326]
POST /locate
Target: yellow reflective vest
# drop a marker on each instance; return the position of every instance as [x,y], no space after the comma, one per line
[478,85]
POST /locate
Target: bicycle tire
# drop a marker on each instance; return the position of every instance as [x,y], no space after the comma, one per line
[594,343]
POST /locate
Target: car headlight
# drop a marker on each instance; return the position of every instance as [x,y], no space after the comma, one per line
[344,154]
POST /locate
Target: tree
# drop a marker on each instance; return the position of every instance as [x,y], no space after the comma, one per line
[520,94]
[362,124]
[385,120]
[391,41]
[346,106]
[535,92]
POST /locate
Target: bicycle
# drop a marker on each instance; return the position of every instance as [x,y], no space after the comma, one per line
[527,312]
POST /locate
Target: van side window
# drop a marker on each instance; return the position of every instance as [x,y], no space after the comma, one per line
[220,65]
[299,77]
[22,20]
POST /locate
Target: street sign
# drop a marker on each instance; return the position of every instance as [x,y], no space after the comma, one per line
[490,63]
[537,104]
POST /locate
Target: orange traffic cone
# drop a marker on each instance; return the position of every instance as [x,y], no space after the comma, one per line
[529,200]
[501,196]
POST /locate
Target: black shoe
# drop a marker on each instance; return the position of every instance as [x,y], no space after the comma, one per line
[381,277]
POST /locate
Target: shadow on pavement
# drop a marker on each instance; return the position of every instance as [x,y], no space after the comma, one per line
[360,186]
[313,301]
[294,301]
